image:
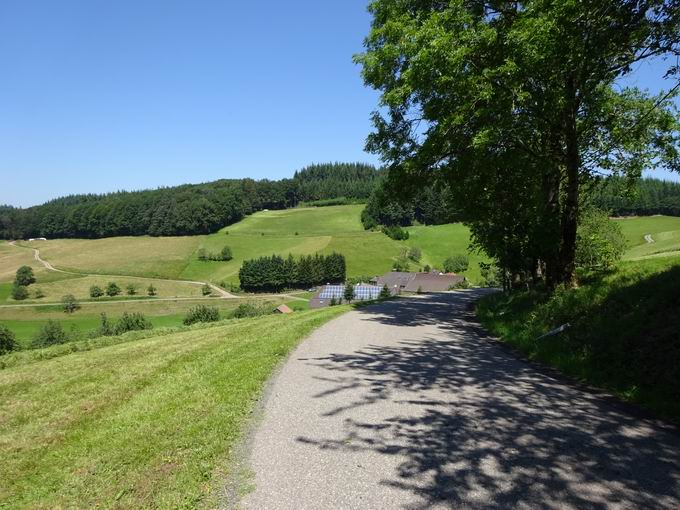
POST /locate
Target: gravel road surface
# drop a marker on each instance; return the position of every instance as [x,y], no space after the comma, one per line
[406,404]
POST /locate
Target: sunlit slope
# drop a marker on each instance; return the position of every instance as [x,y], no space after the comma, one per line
[664,231]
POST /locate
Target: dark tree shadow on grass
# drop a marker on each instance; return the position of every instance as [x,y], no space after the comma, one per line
[499,433]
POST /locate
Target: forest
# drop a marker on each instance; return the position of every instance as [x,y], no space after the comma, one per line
[183,210]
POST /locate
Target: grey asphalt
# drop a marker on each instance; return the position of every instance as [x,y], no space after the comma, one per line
[407,404]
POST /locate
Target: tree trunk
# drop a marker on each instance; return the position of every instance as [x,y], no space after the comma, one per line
[570,211]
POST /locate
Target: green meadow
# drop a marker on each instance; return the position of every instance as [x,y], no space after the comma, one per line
[665,232]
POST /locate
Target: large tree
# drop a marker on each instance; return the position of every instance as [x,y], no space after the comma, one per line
[518,105]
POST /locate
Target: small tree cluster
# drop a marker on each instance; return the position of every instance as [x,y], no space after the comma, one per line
[201,313]
[69,303]
[396,232]
[50,334]
[223,255]
[127,322]
[415,254]
[599,241]
[23,278]
[457,264]
[275,273]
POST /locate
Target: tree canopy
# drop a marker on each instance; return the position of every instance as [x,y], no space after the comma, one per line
[519,107]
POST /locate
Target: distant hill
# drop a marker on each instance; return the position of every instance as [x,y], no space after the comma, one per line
[645,198]
[183,210]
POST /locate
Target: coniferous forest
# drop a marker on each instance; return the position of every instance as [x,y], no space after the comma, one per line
[183,210]
[275,273]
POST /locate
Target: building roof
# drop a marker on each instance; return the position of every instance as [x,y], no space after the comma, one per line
[433,282]
[395,280]
[283,309]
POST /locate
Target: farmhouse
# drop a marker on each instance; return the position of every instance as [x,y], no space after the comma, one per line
[434,281]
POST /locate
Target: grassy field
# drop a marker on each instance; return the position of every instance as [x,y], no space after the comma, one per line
[441,241]
[623,334]
[143,424]
[25,322]
[665,231]
[12,258]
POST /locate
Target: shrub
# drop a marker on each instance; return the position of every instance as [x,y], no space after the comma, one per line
[415,254]
[396,232]
[456,264]
[69,303]
[491,275]
[599,242]
[8,341]
[384,292]
[112,289]
[50,334]
[427,268]
[464,284]
[225,254]
[206,290]
[348,293]
[201,313]
[131,322]
[201,254]
[96,291]
[333,301]
[131,289]
[39,294]
[151,290]
[249,310]
[19,292]
[105,326]
[24,276]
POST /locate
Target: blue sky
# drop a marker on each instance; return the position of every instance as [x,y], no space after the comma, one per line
[98,96]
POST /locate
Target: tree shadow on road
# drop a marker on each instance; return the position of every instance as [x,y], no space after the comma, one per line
[498,434]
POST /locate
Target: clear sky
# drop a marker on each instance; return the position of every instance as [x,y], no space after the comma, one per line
[97,95]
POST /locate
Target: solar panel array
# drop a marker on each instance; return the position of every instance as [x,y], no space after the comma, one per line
[361,292]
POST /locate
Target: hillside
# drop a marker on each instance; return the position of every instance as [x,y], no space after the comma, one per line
[299,231]
[148,423]
[664,232]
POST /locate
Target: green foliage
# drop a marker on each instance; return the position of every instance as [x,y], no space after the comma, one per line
[69,303]
[491,274]
[151,290]
[106,328]
[24,276]
[39,293]
[96,291]
[348,293]
[623,333]
[112,289]
[131,289]
[275,273]
[8,341]
[201,313]
[396,232]
[402,262]
[131,322]
[19,292]
[644,197]
[50,334]
[600,243]
[250,310]
[206,290]
[499,87]
[333,302]
[464,284]
[458,263]
[223,255]
[427,268]
[415,254]
[384,292]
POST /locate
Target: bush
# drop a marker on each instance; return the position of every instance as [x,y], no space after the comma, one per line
[151,290]
[456,264]
[96,291]
[599,242]
[460,285]
[396,232]
[384,292]
[39,294]
[201,254]
[112,289]
[333,302]
[50,334]
[427,268]
[249,310]
[19,292]
[105,327]
[415,254]
[131,289]
[491,275]
[70,303]
[131,322]
[201,313]
[225,254]
[8,341]
[206,290]
[348,293]
[24,276]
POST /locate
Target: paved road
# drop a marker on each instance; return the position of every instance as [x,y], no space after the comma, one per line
[406,405]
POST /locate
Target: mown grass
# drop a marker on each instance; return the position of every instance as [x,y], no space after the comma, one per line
[665,231]
[143,424]
[624,333]
[442,241]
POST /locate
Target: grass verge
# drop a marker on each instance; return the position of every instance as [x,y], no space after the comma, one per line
[143,424]
[624,333]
